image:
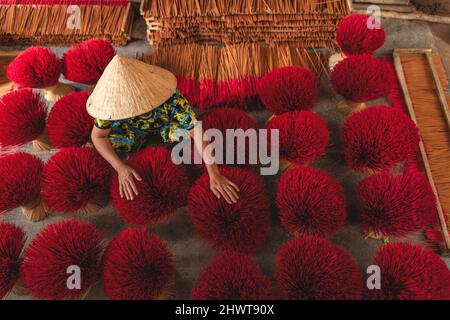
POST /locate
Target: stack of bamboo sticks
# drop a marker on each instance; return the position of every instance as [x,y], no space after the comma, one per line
[212,75]
[300,23]
[63,22]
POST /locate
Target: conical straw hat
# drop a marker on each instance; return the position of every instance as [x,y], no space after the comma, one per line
[129,88]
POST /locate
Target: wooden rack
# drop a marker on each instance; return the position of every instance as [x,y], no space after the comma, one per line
[432,116]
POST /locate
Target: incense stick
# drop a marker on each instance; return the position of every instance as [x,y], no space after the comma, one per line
[230,73]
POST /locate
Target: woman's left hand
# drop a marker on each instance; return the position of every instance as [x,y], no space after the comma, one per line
[222,187]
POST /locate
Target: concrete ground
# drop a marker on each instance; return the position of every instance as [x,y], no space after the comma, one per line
[190,252]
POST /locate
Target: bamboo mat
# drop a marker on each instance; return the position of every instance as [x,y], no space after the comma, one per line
[424,84]
[46,21]
[306,23]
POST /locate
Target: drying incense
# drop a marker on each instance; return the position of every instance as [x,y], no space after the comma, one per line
[39,67]
[303,137]
[423,80]
[247,220]
[56,22]
[59,245]
[359,79]
[396,205]
[411,273]
[21,185]
[138,266]
[210,76]
[76,180]
[12,241]
[288,89]
[23,118]
[157,199]
[311,202]
[310,268]
[232,276]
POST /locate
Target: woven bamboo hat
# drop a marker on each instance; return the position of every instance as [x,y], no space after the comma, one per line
[129,88]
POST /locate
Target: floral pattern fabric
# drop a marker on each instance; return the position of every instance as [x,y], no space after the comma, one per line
[129,135]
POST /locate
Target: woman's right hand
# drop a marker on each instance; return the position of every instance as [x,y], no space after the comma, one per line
[127,185]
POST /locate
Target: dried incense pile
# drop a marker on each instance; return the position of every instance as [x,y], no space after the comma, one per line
[45,21]
[301,23]
[233,62]
[230,68]
[431,119]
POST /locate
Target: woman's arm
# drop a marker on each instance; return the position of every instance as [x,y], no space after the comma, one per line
[219,184]
[127,186]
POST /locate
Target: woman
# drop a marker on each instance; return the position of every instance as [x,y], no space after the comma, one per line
[133,99]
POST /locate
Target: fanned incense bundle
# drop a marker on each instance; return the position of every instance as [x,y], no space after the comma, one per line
[423,80]
[303,137]
[23,116]
[411,272]
[224,119]
[227,76]
[12,241]
[157,199]
[39,67]
[232,276]
[306,23]
[137,265]
[21,185]
[310,268]
[63,22]
[396,205]
[76,180]
[242,226]
[311,202]
[287,89]
[53,251]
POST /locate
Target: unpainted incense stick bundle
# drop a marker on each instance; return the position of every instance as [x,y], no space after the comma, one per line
[306,23]
[211,75]
[48,22]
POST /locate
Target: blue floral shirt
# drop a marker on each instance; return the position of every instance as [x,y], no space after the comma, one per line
[129,135]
